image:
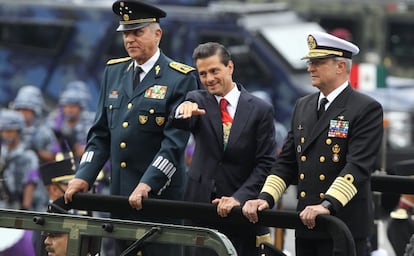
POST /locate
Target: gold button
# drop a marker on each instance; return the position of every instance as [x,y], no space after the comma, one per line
[110,107]
[302,140]
[122,145]
[129,105]
[321,177]
[349,178]
[151,111]
[328,141]
[125,124]
[322,159]
[123,165]
[322,195]
[302,176]
[303,158]
[302,194]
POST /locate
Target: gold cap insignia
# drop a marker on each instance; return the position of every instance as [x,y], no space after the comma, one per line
[125,17]
[311,42]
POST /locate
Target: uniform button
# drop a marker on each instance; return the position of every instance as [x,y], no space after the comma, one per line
[302,194]
[321,177]
[322,159]
[123,165]
[110,107]
[322,195]
[302,176]
[303,158]
[123,145]
[328,141]
[125,124]
[151,111]
[302,140]
[129,105]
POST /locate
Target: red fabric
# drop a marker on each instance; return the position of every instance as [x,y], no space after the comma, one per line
[225,116]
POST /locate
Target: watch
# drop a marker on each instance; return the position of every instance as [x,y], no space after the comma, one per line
[328,205]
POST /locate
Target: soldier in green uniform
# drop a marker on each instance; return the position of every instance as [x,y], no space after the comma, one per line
[131,125]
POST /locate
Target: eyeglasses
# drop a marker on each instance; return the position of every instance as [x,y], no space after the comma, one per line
[318,62]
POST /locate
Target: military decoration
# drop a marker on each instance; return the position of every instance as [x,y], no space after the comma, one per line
[142,119]
[338,129]
[113,95]
[335,150]
[157,70]
[159,120]
[156,92]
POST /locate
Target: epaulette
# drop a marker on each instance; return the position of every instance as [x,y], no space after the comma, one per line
[181,67]
[115,61]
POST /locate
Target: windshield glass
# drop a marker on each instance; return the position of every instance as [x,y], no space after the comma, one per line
[290,41]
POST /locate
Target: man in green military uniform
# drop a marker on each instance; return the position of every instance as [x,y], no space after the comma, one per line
[131,125]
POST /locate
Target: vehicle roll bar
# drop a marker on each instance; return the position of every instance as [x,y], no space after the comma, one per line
[338,231]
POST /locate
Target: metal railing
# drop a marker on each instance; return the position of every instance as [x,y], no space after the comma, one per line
[331,225]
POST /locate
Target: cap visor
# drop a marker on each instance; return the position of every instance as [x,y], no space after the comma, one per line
[129,27]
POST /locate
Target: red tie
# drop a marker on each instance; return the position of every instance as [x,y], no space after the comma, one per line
[225,116]
[226,120]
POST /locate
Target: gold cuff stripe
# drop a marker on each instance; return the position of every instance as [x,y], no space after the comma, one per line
[342,190]
[263,239]
[129,22]
[275,186]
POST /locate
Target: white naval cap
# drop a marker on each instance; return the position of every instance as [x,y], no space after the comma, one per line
[324,45]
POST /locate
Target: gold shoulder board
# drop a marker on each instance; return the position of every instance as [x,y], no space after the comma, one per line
[181,67]
[115,61]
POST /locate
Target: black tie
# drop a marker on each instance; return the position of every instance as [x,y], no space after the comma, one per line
[137,72]
[322,104]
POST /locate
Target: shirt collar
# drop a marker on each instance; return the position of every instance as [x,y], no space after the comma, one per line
[331,97]
[146,67]
[232,97]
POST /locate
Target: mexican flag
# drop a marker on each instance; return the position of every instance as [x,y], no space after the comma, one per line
[367,76]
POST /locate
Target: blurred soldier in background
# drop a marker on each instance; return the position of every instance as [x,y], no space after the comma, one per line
[72,120]
[401,224]
[55,176]
[36,135]
[16,162]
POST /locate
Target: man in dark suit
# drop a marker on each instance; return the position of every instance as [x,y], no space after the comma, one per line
[230,161]
[131,125]
[330,157]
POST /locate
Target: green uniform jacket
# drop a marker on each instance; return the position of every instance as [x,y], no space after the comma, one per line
[132,129]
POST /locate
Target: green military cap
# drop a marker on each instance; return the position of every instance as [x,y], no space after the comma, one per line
[57,171]
[136,14]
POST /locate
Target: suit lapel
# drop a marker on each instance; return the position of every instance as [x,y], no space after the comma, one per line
[241,117]
[337,107]
[127,79]
[214,117]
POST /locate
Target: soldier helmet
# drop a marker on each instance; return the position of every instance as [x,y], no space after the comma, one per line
[29,97]
[11,120]
[73,96]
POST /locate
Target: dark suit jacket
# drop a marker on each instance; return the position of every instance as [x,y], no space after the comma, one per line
[314,158]
[241,169]
[132,128]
